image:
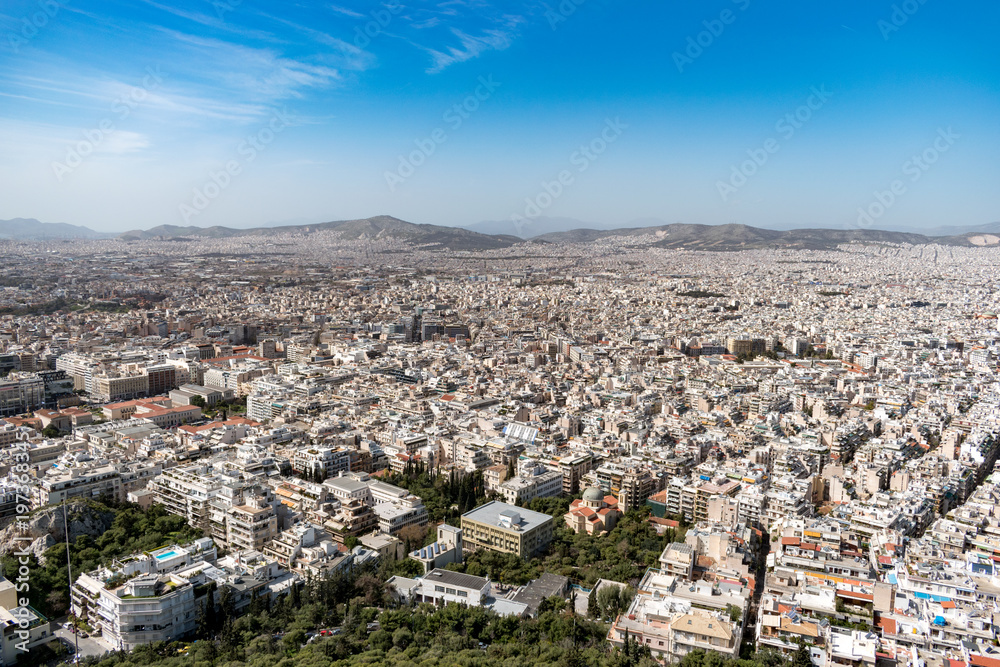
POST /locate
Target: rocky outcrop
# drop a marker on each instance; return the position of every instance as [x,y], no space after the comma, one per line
[45,527]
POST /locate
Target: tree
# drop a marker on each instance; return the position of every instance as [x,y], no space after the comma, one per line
[208,620]
[413,536]
[802,657]
[593,610]
[609,601]
[198,401]
[50,431]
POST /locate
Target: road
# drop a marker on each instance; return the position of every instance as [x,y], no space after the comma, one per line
[759,572]
[88,646]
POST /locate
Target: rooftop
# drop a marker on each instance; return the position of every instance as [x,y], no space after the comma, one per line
[495,513]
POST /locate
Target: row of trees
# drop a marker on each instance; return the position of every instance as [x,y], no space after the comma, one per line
[447,497]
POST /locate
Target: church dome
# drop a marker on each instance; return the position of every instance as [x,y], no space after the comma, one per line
[593,495]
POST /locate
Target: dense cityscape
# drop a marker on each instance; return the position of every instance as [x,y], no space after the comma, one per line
[681,453]
[499,333]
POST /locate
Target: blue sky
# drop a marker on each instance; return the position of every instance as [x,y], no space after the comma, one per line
[123,114]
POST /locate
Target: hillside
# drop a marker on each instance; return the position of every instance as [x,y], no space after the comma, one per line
[744,237]
[29,229]
[382,226]
[721,238]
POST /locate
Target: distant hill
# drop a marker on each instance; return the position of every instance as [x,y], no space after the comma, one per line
[957,230]
[744,237]
[533,228]
[487,235]
[29,229]
[381,226]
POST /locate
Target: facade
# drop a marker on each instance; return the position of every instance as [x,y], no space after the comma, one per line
[505,528]
[444,586]
[122,388]
[394,517]
[536,482]
[79,482]
[21,393]
[150,597]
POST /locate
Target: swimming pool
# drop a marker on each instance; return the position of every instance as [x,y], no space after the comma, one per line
[169,554]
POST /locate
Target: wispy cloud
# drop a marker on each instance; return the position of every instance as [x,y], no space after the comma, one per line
[470,47]
[215,22]
[261,73]
[344,54]
[346,12]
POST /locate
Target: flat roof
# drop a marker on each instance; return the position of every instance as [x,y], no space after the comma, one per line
[346,484]
[490,515]
[450,578]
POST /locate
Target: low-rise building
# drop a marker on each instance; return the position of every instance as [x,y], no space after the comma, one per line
[505,528]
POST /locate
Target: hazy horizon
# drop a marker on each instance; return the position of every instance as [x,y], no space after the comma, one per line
[128,115]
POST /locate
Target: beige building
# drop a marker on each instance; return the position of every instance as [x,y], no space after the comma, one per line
[505,528]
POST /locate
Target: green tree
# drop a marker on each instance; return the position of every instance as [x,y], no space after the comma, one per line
[801,657]
[593,609]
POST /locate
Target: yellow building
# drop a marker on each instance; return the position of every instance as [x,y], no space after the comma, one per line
[506,528]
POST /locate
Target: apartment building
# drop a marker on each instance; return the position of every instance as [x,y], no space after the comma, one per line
[673,617]
[394,517]
[533,482]
[353,518]
[251,525]
[80,481]
[147,597]
[186,491]
[109,389]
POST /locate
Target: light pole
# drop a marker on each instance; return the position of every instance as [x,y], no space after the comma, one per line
[69,575]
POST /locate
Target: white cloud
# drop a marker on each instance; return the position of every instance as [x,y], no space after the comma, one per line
[471,47]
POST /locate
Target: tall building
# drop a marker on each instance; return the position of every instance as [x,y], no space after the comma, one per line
[162,378]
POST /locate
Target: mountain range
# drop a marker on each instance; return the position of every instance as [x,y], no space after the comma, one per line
[491,234]
[29,229]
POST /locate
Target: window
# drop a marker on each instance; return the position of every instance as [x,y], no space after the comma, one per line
[463,594]
[439,589]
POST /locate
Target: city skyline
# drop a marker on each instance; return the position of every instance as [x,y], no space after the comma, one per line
[135,114]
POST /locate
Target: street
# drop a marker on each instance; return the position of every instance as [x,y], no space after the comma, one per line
[89,646]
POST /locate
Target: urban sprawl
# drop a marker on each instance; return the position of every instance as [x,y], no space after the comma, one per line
[815,434]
